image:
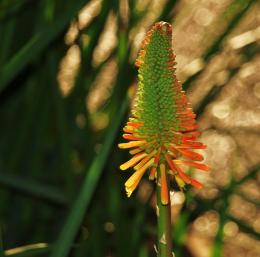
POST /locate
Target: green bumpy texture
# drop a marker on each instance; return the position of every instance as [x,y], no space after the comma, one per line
[155,102]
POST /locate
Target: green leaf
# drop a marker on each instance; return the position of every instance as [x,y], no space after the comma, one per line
[33,250]
[81,204]
[33,189]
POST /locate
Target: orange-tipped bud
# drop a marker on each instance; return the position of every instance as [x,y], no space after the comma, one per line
[164,186]
[132,161]
[131,144]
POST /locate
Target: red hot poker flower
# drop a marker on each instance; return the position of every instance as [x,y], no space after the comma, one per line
[162,130]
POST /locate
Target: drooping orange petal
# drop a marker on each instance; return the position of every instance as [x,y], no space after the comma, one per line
[172,164]
[187,114]
[196,184]
[164,186]
[181,176]
[133,161]
[191,145]
[134,124]
[188,121]
[133,181]
[173,151]
[141,163]
[135,151]
[191,155]
[157,158]
[130,137]
[196,165]
[185,177]
[191,134]
[145,160]
[131,144]
[128,129]
[187,127]
[179,181]
[188,139]
[153,172]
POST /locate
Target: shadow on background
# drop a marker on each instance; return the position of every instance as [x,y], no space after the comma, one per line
[66,77]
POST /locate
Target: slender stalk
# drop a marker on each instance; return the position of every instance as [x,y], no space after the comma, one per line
[164,243]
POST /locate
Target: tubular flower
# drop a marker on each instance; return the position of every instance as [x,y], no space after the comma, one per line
[162,130]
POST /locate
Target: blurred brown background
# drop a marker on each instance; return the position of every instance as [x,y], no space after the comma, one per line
[66,72]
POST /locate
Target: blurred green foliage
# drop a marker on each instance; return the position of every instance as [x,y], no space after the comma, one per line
[60,183]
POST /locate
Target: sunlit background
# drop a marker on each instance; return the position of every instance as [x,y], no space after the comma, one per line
[66,83]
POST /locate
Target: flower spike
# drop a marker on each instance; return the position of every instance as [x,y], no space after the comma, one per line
[162,131]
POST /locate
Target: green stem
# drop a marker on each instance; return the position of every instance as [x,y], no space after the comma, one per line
[164,243]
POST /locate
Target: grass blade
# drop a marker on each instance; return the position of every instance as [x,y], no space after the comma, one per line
[33,189]
[28,250]
[75,217]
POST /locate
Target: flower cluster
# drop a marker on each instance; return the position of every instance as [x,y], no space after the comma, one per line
[162,129]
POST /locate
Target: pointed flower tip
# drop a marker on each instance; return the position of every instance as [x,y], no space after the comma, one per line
[179,181]
[196,184]
[151,178]
[124,166]
[152,175]
[163,26]
[165,201]
[195,165]
[128,192]
[134,180]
